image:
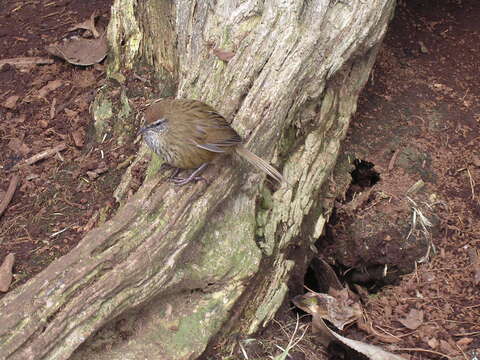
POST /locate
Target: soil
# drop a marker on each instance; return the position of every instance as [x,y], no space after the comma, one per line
[418,119]
[43,106]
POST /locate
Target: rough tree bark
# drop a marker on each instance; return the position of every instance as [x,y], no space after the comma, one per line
[180,266]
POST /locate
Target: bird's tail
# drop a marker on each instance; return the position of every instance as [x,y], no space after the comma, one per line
[259,163]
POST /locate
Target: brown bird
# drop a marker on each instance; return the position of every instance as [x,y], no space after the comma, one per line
[189,134]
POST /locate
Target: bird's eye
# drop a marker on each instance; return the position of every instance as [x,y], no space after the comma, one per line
[158,122]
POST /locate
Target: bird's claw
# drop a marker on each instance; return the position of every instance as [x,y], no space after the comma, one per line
[183,181]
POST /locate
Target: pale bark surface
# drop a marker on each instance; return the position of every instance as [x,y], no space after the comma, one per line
[183,265]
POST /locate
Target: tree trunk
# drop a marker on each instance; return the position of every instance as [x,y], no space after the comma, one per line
[178,266]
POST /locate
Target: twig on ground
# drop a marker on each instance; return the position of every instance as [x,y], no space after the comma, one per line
[78,206]
[9,194]
[44,154]
[22,61]
[463,352]
[472,183]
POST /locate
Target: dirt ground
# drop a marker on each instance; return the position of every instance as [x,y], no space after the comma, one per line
[43,106]
[418,119]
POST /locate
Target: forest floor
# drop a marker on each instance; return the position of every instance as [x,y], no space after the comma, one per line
[422,97]
[418,118]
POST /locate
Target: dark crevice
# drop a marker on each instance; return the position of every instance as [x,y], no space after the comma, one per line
[363,176]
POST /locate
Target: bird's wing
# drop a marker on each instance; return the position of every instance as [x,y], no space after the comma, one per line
[213,133]
[216,138]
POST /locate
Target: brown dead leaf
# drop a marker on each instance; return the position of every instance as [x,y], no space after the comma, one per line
[372,352]
[19,119]
[88,24]
[51,85]
[70,113]
[433,343]
[18,146]
[223,55]
[43,123]
[83,101]
[80,51]
[464,341]
[476,160]
[79,137]
[11,102]
[338,310]
[446,348]
[413,319]
[92,175]
[6,272]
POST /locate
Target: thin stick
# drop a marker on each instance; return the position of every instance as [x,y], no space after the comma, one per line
[472,183]
[9,194]
[391,164]
[22,61]
[44,154]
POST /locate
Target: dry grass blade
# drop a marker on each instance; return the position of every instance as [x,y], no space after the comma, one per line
[291,342]
[472,183]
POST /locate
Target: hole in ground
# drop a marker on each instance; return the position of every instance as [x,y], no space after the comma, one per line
[363,177]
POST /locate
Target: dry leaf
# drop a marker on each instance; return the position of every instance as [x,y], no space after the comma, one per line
[336,310]
[446,348]
[340,310]
[88,24]
[18,146]
[371,351]
[83,102]
[476,160]
[19,119]
[79,51]
[43,123]
[6,272]
[70,113]
[433,343]
[413,320]
[92,175]
[464,341]
[223,55]
[52,85]
[79,137]
[11,102]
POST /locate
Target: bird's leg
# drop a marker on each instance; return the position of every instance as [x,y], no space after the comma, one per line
[193,177]
[175,173]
